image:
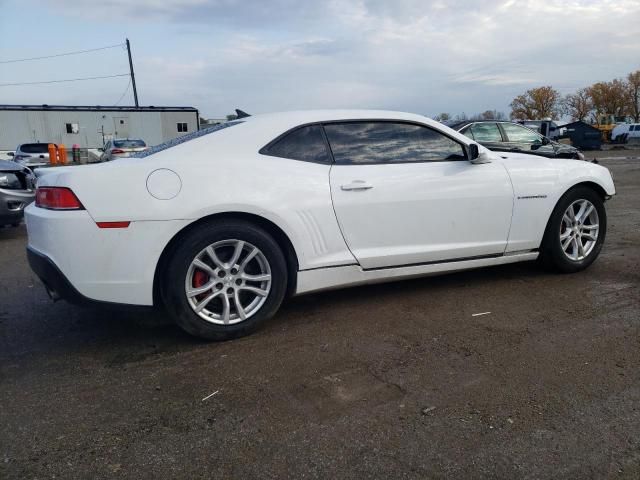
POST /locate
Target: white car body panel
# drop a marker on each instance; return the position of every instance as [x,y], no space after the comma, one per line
[108,265]
[423,212]
[463,210]
[353,275]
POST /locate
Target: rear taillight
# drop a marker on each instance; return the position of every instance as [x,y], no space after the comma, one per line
[57,198]
[117,151]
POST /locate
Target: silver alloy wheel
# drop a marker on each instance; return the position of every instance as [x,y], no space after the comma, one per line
[579,230]
[228,282]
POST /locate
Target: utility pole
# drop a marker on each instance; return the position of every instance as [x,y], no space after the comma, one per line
[133,77]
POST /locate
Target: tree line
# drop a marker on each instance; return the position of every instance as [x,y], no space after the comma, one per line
[619,97]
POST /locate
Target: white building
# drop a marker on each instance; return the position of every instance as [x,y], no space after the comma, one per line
[91,126]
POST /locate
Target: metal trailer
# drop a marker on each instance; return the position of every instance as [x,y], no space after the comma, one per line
[92,126]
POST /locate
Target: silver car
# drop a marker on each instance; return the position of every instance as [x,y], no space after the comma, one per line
[17,185]
[122,147]
[31,155]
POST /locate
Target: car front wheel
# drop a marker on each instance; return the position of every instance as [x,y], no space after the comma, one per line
[575,232]
[224,280]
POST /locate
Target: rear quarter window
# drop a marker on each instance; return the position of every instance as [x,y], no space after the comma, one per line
[304,143]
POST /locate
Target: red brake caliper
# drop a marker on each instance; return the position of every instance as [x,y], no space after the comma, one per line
[199,279]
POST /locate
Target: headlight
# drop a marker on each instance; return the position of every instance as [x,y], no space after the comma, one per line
[9,180]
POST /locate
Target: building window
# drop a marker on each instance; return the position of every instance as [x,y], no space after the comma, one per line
[72,128]
[182,127]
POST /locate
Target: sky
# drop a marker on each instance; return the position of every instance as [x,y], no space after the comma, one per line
[262,56]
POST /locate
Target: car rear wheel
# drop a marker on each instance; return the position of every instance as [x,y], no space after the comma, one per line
[575,232]
[224,280]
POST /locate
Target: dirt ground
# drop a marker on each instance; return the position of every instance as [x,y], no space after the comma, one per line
[387,381]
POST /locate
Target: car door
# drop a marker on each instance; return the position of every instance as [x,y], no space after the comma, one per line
[522,139]
[405,193]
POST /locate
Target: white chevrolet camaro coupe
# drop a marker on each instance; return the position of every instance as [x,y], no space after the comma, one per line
[219,226]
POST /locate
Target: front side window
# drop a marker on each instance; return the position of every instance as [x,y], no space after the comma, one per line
[517,133]
[486,132]
[305,143]
[389,142]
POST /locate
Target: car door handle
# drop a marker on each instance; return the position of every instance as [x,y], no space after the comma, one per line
[356,185]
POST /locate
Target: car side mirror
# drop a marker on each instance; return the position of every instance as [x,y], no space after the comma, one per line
[11,154]
[474,151]
[477,156]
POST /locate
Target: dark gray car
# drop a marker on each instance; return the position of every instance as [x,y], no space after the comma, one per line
[501,136]
[17,190]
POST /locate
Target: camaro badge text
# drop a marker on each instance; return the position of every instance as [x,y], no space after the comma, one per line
[527,197]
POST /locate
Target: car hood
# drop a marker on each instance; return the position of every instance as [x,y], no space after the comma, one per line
[562,147]
[9,166]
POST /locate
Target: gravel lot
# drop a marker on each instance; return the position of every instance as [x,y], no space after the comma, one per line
[388,381]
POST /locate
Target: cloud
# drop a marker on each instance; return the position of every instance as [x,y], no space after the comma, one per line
[453,55]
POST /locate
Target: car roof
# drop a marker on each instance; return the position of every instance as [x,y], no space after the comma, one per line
[311,116]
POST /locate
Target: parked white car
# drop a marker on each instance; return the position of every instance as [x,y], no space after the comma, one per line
[31,155]
[122,147]
[219,226]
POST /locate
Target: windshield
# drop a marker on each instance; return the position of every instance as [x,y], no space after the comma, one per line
[129,143]
[184,138]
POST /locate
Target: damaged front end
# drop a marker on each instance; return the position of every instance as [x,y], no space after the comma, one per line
[17,190]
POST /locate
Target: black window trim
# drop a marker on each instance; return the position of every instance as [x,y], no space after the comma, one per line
[264,150]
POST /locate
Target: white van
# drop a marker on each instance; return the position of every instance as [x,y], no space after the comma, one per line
[622,132]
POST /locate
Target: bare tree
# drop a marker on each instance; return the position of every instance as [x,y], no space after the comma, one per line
[491,115]
[633,87]
[577,105]
[610,98]
[537,103]
[442,117]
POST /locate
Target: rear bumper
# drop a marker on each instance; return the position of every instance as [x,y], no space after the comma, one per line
[12,205]
[57,285]
[108,265]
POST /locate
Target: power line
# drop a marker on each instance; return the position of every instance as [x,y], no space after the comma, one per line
[124,93]
[77,52]
[61,81]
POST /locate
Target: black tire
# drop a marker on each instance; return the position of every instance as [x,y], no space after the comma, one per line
[174,276]
[552,255]
[16,224]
